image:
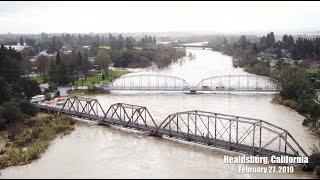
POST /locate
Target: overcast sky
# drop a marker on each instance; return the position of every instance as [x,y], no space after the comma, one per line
[228,17]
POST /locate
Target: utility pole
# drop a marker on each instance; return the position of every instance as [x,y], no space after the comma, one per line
[44,77]
[75,80]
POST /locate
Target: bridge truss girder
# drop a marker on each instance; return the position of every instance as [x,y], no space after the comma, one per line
[238,83]
[235,133]
[156,82]
[130,115]
[232,132]
[149,82]
[82,106]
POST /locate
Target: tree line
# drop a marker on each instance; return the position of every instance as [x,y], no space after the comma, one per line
[65,68]
[52,42]
[297,90]
[14,89]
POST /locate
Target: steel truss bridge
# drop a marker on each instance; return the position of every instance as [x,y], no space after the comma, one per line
[192,46]
[233,133]
[157,82]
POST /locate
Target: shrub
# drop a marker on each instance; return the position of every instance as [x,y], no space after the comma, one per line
[65,120]
[52,86]
[290,103]
[305,106]
[294,84]
[31,121]
[306,122]
[315,110]
[317,170]
[14,129]
[34,151]
[3,123]
[23,139]
[33,139]
[27,108]
[36,132]
[46,133]
[26,87]
[11,112]
[15,157]
[61,128]
[314,159]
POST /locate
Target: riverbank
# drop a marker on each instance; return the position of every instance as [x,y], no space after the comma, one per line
[309,121]
[91,91]
[28,140]
[296,93]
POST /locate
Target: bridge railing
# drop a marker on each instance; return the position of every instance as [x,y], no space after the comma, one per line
[232,132]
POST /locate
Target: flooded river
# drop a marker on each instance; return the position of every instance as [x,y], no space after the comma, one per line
[93,151]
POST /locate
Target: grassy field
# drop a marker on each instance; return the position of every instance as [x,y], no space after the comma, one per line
[105,47]
[92,80]
[39,79]
[97,79]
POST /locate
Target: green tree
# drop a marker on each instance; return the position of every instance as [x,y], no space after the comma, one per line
[21,41]
[270,40]
[294,84]
[11,112]
[26,87]
[5,93]
[102,59]
[26,107]
[10,64]
[243,42]
[58,57]
[129,43]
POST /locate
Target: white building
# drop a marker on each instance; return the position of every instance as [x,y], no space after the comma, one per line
[37,99]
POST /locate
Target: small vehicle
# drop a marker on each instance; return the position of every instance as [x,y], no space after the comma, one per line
[206,88]
[185,88]
[220,88]
[61,100]
[37,99]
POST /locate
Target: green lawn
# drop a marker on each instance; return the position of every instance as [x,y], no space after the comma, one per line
[92,80]
[105,47]
[97,79]
[39,79]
